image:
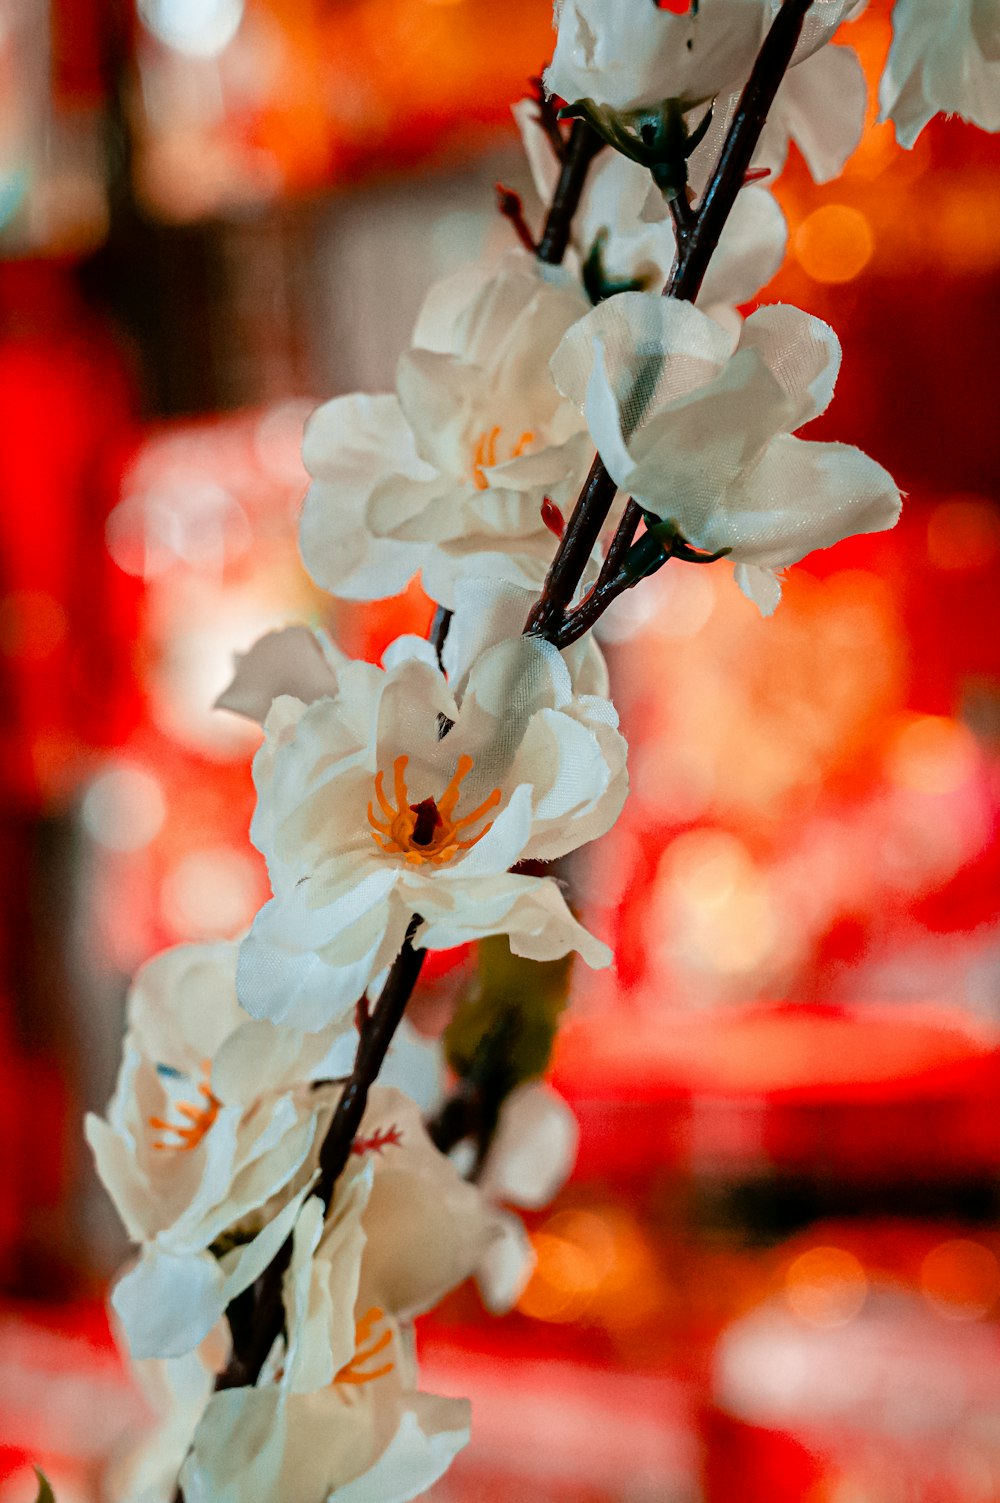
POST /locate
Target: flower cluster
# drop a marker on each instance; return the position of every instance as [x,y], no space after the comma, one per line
[291,1215]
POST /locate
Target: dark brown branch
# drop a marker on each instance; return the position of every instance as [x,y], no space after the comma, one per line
[620,543]
[438,634]
[254,1333]
[737,152]
[573,553]
[581,148]
[697,239]
[372,1046]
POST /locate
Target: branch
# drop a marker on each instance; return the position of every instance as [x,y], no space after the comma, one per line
[254,1333]
[582,147]
[698,234]
[573,554]
[716,203]
[372,1046]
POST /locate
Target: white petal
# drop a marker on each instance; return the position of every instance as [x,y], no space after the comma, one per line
[802,352]
[822,104]
[762,586]
[279,981]
[291,661]
[655,350]
[750,251]
[506,1267]
[534,1149]
[350,445]
[168,1304]
[430,1435]
[802,496]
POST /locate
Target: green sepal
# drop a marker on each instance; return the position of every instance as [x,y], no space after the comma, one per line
[644,557]
[675,544]
[45,1493]
[596,282]
[657,138]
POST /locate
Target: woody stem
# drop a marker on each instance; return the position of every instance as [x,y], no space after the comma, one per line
[550,618]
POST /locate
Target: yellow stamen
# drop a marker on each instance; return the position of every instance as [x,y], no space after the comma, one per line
[427,831]
[362,1333]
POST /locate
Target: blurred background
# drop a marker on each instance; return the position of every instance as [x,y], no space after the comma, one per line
[775,1274]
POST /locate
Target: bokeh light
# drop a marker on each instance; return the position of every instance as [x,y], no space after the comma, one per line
[960,1279]
[932,754]
[834,243]
[826,1286]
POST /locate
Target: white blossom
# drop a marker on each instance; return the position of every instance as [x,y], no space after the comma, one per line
[633,55]
[529,1159]
[213,1116]
[338,1411]
[944,57]
[701,434]
[448,475]
[368,815]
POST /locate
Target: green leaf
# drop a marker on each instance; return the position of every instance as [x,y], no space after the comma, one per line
[45,1493]
[505,1025]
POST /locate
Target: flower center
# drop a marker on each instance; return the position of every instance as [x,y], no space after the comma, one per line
[200,1117]
[362,1353]
[485,454]
[426,831]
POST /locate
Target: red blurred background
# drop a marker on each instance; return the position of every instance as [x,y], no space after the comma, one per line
[774,1275]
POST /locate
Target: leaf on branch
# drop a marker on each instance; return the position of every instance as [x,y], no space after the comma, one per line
[45,1493]
[503,1030]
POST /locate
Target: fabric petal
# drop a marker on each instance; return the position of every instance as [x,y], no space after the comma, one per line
[167,1304]
[291,661]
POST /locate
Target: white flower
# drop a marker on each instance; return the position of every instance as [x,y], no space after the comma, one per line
[338,1413]
[701,434]
[176,1390]
[633,54]
[213,1115]
[449,475]
[624,214]
[368,815]
[943,57]
[304,665]
[529,1159]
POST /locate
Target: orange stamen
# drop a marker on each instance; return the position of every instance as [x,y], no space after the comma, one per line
[201,1118]
[427,831]
[362,1333]
[484,455]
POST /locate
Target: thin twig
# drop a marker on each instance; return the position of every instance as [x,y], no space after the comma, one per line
[258,1335]
[581,148]
[730,171]
[573,553]
[696,242]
